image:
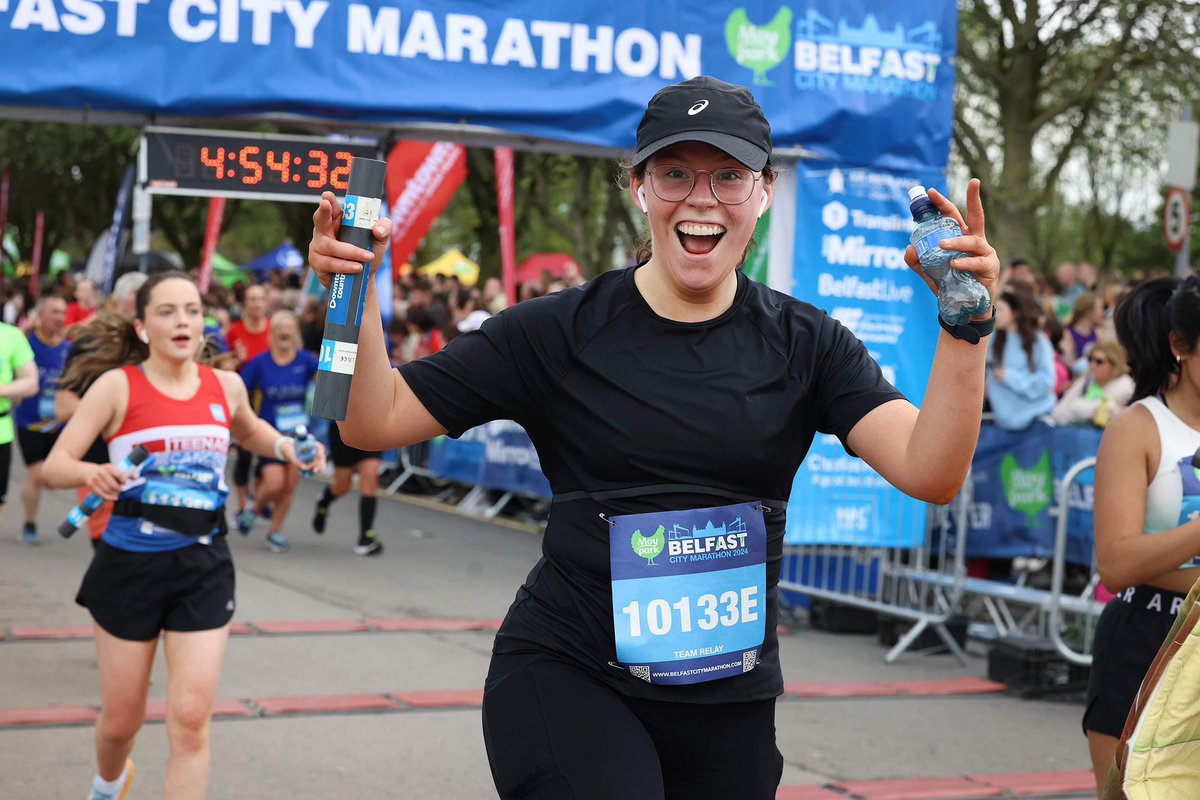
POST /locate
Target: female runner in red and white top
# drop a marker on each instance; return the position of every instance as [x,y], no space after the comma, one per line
[162,563]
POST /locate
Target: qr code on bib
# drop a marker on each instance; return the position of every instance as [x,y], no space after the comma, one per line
[749,659]
[640,672]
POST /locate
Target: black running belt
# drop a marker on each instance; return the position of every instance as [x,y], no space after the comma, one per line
[665,488]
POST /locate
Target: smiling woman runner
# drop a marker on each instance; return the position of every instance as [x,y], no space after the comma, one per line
[162,563]
[671,404]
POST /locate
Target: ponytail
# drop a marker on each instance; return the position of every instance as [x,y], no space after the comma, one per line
[105,342]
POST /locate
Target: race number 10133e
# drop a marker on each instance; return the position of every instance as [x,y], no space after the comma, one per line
[660,617]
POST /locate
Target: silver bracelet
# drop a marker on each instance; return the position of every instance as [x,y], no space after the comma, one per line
[279,443]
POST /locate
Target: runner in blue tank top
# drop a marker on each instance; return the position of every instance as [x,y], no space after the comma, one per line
[278,381]
[36,427]
[163,564]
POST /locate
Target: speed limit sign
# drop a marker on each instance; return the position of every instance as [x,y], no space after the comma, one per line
[1177,217]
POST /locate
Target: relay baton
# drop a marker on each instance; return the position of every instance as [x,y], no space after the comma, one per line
[347,293]
[93,501]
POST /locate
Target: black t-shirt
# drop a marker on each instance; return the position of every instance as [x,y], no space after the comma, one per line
[616,397]
[98,452]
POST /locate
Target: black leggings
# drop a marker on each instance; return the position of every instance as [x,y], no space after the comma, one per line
[553,732]
[241,467]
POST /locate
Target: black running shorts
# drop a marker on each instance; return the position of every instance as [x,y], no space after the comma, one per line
[5,467]
[35,445]
[1131,629]
[344,455]
[136,595]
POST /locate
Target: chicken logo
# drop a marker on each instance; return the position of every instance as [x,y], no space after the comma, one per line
[648,547]
[759,48]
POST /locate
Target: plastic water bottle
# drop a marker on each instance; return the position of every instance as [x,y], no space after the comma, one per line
[960,295]
[306,447]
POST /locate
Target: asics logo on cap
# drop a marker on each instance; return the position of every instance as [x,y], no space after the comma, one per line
[697,108]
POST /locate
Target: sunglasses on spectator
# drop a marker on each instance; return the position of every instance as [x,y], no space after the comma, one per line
[1095,360]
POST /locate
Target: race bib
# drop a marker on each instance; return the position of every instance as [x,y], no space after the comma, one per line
[689,592]
[45,407]
[1189,509]
[290,416]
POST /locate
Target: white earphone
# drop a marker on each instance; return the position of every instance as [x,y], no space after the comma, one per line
[642,199]
[762,206]
[145,337]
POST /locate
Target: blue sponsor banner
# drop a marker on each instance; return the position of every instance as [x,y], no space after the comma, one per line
[1017,482]
[860,81]
[852,226]
[497,455]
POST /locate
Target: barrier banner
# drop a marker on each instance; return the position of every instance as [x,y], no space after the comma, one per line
[421,179]
[497,455]
[859,81]
[1017,477]
[852,226]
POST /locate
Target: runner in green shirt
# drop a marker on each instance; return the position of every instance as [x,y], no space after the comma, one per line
[18,379]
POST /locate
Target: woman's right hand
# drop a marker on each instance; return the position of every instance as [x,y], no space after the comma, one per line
[106,480]
[327,256]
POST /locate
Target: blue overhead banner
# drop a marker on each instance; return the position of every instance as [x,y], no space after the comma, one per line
[862,82]
[852,226]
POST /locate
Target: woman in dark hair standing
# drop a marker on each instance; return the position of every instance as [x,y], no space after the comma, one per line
[1021,375]
[162,563]
[1147,512]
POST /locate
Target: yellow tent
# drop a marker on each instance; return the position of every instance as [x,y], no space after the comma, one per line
[453,262]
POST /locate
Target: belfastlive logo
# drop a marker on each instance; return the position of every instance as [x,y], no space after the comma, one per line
[830,55]
[1027,490]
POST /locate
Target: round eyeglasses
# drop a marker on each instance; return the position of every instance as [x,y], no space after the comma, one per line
[731,186]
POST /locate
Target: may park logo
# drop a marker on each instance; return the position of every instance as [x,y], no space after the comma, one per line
[1027,490]
[759,47]
[648,547]
[828,56]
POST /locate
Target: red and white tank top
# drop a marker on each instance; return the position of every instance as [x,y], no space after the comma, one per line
[184,478]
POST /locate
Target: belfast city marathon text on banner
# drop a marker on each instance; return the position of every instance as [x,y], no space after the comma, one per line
[859,82]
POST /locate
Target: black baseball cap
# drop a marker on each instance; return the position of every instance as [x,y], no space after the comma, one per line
[706,110]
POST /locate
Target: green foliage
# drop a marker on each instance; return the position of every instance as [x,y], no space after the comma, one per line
[562,203]
[1061,109]
[71,172]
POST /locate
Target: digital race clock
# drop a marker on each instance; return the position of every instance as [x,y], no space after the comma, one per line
[258,166]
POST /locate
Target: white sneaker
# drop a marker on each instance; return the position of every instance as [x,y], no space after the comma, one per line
[120,793]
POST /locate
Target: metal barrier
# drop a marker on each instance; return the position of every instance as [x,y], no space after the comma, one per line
[929,584]
[412,461]
[1077,613]
[921,584]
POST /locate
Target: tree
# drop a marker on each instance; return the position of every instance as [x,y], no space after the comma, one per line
[1038,78]
[71,172]
[562,203]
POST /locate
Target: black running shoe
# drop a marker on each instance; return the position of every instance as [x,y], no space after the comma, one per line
[319,515]
[368,545]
